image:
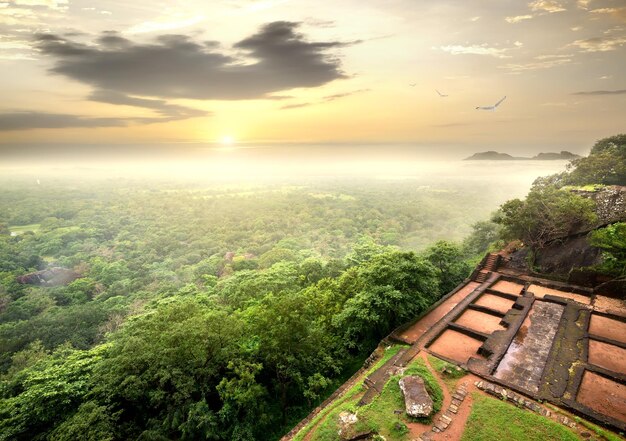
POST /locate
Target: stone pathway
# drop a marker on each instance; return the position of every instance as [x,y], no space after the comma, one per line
[444,420]
[506,394]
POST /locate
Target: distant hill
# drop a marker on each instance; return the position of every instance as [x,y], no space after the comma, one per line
[491,156]
[550,156]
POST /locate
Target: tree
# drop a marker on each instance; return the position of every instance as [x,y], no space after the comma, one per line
[276,255]
[546,214]
[447,258]
[484,233]
[606,164]
[612,241]
[293,343]
[163,365]
[91,422]
[385,292]
[46,393]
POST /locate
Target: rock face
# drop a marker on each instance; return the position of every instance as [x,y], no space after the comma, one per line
[416,399]
[55,276]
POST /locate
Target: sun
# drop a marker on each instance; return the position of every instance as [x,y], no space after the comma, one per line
[227,140]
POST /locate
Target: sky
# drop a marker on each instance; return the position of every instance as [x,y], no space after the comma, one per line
[230,74]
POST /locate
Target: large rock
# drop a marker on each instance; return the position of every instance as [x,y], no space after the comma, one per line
[416,399]
[55,276]
[347,430]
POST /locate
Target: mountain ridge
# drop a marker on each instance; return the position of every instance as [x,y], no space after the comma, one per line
[492,155]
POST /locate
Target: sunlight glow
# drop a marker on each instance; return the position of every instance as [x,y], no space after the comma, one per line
[227,140]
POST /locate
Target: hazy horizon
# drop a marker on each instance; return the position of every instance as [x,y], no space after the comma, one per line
[287,72]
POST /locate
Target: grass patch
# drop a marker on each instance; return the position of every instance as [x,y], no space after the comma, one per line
[380,415]
[16,230]
[450,373]
[494,420]
[601,432]
[327,430]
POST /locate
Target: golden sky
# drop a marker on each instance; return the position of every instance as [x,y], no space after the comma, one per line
[288,71]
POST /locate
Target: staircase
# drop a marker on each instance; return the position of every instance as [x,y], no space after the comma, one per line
[489,264]
[482,276]
[492,262]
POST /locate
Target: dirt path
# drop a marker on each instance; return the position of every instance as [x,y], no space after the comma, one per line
[457,426]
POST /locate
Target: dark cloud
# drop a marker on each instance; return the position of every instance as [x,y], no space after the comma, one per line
[602,92]
[168,112]
[40,120]
[173,66]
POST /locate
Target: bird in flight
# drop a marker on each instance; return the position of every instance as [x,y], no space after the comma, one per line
[492,108]
[413,84]
[442,95]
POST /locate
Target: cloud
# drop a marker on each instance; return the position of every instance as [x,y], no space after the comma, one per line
[50,4]
[518,18]
[41,120]
[277,58]
[600,44]
[295,106]
[326,99]
[168,112]
[14,47]
[617,13]
[550,6]
[602,92]
[30,12]
[337,96]
[475,50]
[159,26]
[539,62]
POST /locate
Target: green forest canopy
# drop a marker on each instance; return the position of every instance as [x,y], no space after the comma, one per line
[226,313]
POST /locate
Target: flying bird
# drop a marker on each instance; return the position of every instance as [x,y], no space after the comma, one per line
[492,108]
[413,84]
[442,95]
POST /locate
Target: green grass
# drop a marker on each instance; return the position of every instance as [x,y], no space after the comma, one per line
[494,420]
[327,430]
[379,415]
[450,373]
[21,229]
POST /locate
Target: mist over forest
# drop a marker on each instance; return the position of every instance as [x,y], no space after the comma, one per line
[219,256]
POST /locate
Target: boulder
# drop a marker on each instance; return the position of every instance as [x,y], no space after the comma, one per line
[347,430]
[416,399]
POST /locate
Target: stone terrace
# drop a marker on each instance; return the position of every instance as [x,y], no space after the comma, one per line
[549,341]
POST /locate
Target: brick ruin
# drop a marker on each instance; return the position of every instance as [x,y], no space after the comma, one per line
[546,340]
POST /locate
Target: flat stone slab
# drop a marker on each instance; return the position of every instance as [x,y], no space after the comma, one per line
[416,399]
[526,357]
